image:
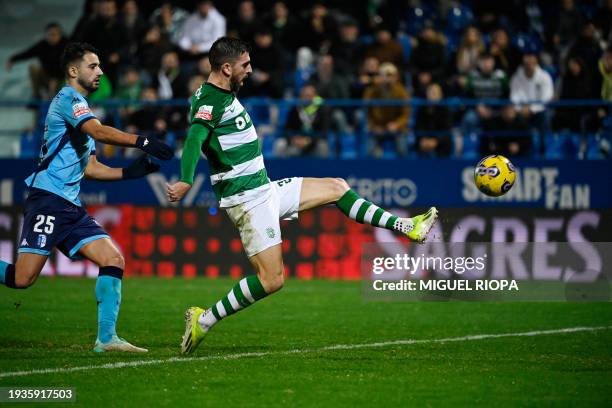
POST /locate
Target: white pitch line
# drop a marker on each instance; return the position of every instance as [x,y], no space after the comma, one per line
[139,363]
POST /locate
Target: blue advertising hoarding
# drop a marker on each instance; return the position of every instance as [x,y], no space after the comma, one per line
[546,184]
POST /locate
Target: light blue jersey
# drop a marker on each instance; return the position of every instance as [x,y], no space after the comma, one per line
[65,150]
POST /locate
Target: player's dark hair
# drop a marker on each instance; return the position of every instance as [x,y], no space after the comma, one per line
[226,49]
[75,52]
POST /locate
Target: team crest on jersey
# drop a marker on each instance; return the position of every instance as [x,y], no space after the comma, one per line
[205,112]
[270,232]
[42,240]
[80,109]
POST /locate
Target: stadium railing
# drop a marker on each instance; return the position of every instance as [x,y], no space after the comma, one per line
[353,140]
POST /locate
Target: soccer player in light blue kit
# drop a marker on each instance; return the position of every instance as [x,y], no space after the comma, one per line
[53,215]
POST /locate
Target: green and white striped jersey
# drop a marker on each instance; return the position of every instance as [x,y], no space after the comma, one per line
[237,171]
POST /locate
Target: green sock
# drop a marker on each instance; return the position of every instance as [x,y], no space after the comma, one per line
[364,212]
[244,293]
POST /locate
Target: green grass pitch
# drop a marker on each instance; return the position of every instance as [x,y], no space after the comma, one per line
[53,324]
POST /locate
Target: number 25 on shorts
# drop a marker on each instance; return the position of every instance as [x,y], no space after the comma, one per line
[44,223]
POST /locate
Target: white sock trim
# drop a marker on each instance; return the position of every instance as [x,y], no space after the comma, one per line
[207,319]
[367,217]
[233,301]
[221,309]
[244,287]
[383,220]
[355,208]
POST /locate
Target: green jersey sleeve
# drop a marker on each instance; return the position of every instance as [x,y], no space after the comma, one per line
[196,136]
[208,105]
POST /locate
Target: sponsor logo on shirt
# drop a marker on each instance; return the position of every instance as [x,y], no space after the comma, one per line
[80,109]
[205,112]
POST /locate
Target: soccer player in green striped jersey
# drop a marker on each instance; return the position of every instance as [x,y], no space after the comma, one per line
[222,129]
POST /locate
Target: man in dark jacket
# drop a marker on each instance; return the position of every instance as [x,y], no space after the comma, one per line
[46,76]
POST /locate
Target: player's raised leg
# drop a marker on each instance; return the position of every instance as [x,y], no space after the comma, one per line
[108,294]
[24,273]
[320,191]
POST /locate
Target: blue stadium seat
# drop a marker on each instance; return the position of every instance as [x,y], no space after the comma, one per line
[452,43]
[552,147]
[553,71]
[283,115]
[301,77]
[42,114]
[259,109]
[366,39]
[606,124]
[453,152]
[536,143]
[279,129]
[365,144]
[389,150]
[458,18]
[416,18]
[170,139]
[598,146]
[348,146]
[406,44]
[267,145]
[29,146]
[471,145]
[486,38]
[563,145]
[527,43]
[332,143]
[410,146]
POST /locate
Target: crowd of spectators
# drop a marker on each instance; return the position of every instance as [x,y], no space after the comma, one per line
[524,52]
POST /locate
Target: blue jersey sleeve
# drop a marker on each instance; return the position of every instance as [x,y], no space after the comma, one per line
[75,109]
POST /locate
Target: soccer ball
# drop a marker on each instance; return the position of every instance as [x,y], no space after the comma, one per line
[494,175]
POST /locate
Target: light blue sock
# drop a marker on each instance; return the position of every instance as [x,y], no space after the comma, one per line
[3,267]
[108,296]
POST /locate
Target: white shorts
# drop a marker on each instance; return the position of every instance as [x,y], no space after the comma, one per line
[258,220]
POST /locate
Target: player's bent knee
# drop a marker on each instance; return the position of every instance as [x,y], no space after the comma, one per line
[119,261]
[115,259]
[272,282]
[24,280]
[276,284]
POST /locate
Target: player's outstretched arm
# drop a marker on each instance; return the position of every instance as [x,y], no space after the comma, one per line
[189,161]
[110,135]
[138,168]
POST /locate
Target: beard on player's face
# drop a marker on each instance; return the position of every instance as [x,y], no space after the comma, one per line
[91,85]
[236,81]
